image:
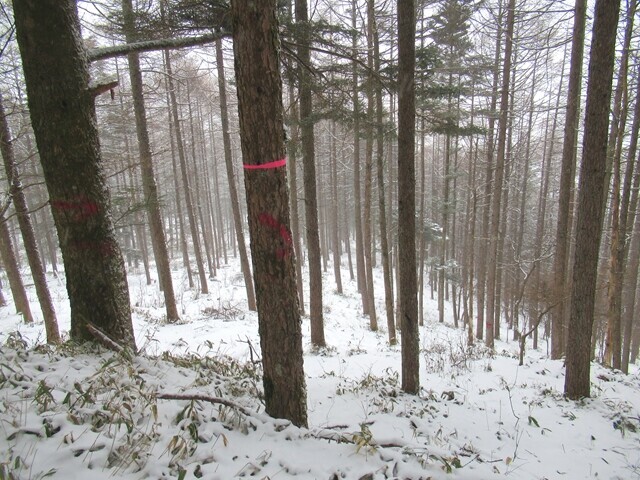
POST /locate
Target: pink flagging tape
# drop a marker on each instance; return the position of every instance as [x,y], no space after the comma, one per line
[265,166]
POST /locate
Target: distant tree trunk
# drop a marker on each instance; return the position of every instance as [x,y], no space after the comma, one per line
[149,187]
[406,197]
[176,185]
[195,237]
[590,197]
[199,199]
[619,212]
[384,233]
[293,185]
[62,107]
[496,199]
[28,235]
[309,174]
[367,235]
[632,246]
[335,230]
[484,242]
[262,136]
[233,192]
[10,263]
[563,228]
[357,203]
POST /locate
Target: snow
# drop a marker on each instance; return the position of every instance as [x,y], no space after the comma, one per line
[80,412]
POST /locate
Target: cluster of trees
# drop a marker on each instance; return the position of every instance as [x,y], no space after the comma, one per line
[438,137]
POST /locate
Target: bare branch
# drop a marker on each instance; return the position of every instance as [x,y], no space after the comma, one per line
[151,45]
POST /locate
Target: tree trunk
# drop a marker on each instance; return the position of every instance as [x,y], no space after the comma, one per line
[18,292]
[149,187]
[309,174]
[233,192]
[484,242]
[176,185]
[619,213]
[28,235]
[499,179]
[407,287]
[335,230]
[590,197]
[62,107]
[293,185]
[367,235]
[262,137]
[384,234]
[563,228]
[360,265]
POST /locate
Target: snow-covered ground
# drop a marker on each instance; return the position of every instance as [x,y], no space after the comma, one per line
[81,412]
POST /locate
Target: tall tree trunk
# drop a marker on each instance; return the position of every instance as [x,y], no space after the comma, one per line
[632,246]
[384,233]
[490,147]
[62,107]
[360,265]
[563,228]
[176,185]
[590,197]
[309,174]
[293,186]
[262,136]
[233,192]
[499,178]
[335,231]
[149,187]
[195,237]
[367,235]
[619,212]
[407,287]
[28,235]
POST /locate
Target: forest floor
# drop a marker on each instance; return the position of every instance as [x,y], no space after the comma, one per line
[78,412]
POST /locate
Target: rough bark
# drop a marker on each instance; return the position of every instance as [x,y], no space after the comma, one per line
[63,117]
[590,198]
[262,137]
[408,306]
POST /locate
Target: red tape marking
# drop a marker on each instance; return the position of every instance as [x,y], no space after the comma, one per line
[266,166]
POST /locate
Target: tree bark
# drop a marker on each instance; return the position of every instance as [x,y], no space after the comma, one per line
[407,287]
[262,137]
[62,110]
[590,197]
